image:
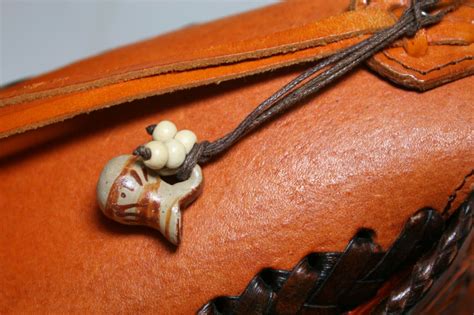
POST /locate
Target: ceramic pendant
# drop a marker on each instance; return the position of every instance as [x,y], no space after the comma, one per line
[130,193]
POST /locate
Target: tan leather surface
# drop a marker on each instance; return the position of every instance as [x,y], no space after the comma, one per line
[221,51]
[352,157]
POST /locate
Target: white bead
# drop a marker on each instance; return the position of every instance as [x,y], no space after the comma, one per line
[164,131]
[176,153]
[159,155]
[187,138]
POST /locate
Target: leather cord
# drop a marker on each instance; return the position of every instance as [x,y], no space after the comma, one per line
[337,65]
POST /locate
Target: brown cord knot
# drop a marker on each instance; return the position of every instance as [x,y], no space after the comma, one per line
[418,15]
[143,152]
[195,156]
[422,18]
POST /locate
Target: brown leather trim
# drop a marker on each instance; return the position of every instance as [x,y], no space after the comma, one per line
[428,271]
[332,283]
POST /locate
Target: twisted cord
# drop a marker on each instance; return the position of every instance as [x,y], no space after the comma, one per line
[339,64]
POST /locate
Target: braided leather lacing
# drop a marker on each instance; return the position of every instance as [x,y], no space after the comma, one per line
[431,265]
[333,283]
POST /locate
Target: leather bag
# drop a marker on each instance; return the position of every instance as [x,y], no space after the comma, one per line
[367,152]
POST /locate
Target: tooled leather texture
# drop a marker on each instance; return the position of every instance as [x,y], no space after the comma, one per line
[334,283]
[220,51]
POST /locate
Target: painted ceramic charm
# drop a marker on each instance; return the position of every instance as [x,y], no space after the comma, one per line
[131,193]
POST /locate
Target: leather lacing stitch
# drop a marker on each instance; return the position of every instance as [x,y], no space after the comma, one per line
[333,283]
[338,64]
[430,266]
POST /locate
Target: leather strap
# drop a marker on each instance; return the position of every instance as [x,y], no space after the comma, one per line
[167,63]
[189,49]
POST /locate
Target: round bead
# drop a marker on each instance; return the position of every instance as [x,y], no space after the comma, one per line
[176,153]
[164,131]
[187,138]
[159,155]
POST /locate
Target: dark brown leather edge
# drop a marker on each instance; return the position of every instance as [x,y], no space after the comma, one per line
[331,283]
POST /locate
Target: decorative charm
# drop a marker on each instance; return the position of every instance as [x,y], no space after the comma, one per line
[131,191]
[128,194]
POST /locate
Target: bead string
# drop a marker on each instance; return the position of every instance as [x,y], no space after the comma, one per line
[168,149]
[338,64]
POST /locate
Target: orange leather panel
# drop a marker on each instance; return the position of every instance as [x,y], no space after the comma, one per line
[436,57]
[352,157]
[396,65]
[449,56]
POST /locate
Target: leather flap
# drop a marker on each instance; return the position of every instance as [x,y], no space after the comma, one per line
[220,51]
